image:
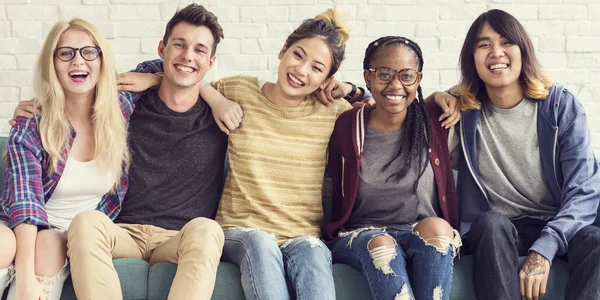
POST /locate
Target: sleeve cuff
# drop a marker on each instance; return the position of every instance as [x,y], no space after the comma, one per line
[546,245]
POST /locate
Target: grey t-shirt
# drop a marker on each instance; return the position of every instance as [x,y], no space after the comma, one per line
[177,162]
[509,161]
[392,204]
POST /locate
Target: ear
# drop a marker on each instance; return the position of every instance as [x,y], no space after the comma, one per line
[419,78]
[161,49]
[282,52]
[325,83]
[367,79]
[212,61]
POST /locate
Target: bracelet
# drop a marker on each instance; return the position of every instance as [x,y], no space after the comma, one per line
[350,95]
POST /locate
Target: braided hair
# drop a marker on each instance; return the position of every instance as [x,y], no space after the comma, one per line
[416,134]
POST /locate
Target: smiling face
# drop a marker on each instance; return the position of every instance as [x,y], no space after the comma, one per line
[78,76]
[187,55]
[303,67]
[497,60]
[393,97]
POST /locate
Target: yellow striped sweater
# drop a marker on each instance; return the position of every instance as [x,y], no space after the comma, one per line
[277,160]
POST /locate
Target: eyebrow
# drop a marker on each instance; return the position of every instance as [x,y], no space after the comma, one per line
[482,38]
[303,51]
[198,44]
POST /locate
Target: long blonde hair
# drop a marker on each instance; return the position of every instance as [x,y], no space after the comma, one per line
[110,129]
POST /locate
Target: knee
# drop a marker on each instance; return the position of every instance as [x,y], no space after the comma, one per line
[86,226]
[9,246]
[204,229]
[434,227]
[586,240]
[258,243]
[490,222]
[50,252]
[382,240]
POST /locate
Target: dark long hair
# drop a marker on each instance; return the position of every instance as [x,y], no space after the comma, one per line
[532,78]
[416,133]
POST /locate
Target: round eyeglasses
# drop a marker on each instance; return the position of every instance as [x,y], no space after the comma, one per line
[385,75]
[88,53]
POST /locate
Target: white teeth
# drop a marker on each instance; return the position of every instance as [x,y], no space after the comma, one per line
[184,69]
[78,73]
[498,66]
[395,97]
[295,80]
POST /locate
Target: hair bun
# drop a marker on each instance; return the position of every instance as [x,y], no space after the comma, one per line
[336,19]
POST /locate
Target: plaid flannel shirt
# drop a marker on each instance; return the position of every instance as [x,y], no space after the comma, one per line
[28,184]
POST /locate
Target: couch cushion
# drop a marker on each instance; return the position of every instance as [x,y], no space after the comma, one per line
[227,287]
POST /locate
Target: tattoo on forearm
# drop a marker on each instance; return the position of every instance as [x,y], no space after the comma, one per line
[534,265]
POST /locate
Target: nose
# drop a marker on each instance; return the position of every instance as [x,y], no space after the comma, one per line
[496,50]
[396,83]
[187,54]
[303,68]
[78,59]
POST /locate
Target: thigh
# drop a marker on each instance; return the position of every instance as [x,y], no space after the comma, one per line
[353,247]
[251,245]
[306,251]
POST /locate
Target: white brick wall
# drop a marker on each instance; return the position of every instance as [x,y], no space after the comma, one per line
[566,35]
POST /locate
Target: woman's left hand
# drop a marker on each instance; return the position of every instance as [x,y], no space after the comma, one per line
[334,89]
[137,82]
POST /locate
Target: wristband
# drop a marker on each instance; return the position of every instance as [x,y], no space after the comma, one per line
[352,92]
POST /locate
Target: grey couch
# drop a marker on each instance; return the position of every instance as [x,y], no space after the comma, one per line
[140,281]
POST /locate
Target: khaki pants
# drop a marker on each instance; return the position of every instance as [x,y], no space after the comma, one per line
[94,240]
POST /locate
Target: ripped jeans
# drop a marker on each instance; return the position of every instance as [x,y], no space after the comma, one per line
[305,262]
[414,269]
[51,287]
[6,276]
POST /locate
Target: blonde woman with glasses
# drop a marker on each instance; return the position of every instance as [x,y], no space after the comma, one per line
[71,158]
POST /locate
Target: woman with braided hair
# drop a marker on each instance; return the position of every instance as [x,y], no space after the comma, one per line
[392,178]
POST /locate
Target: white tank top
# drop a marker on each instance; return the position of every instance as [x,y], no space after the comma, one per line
[80,188]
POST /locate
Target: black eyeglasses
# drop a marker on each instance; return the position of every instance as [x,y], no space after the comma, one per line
[88,53]
[385,75]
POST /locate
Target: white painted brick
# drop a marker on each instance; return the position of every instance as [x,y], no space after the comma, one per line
[582,28]
[456,29]
[577,1]
[293,2]
[475,1]
[9,94]
[29,46]
[125,45]
[8,62]
[301,13]
[14,1]
[544,28]
[89,13]
[448,77]
[583,60]
[590,92]
[270,46]
[26,61]
[430,77]
[272,62]
[552,60]
[8,45]
[461,12]
[4,29]
[279,30]
[225,14]
[140,29]
[441,60]
[7,109]
[358,45]
[60,2]
[594,12]
[446,2]
[357,29]
[568,76]
[594,76]
[134,12]
[243,62]
[249,46]
[353,63]
[2,14]
[242,2]
[538,1]
[249,30]
[519,11]
[228,46]
[583,44]
[562,12]
[96,2]
[503,1]
[430,44]
[406,13]
[451,45]
[264,14]
[150,45]
[27,29]
[552,44]
[32,12]
[378,29]
[126,62]
[16,78]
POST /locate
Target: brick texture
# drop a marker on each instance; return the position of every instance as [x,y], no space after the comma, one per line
[565,33]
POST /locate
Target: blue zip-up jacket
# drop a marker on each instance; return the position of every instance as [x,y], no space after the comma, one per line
[568,163]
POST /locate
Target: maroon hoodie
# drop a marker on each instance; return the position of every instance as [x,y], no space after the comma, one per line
[343,166]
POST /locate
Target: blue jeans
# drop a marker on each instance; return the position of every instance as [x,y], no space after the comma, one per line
[417,270]
[304,261]
[497,242]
